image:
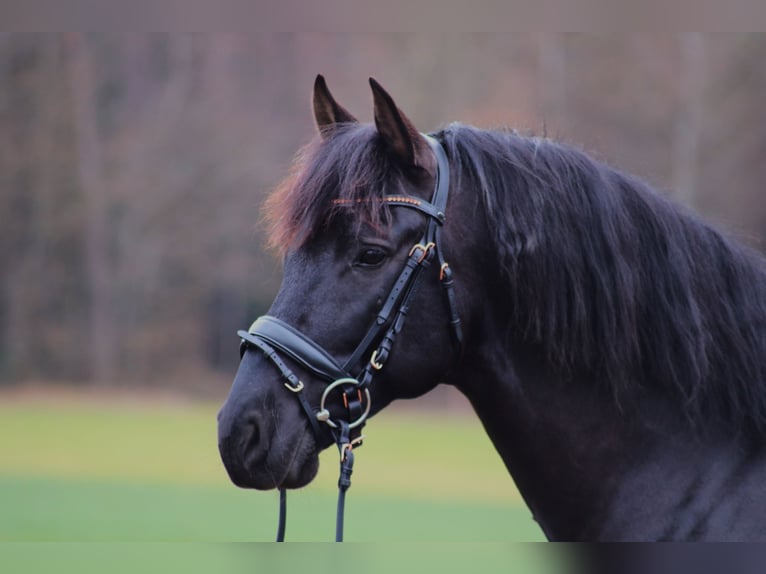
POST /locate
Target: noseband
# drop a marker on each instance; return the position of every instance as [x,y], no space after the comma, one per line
[276,339]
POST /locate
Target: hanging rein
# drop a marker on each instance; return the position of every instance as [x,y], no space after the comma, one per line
[277,339]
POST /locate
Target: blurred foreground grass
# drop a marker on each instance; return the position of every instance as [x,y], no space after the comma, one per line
[364,558]
[120,470]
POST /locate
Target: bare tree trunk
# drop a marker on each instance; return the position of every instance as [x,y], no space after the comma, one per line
[689,123]
[101,331]
[27,225]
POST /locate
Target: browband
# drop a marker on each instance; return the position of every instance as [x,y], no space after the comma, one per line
[403,200]
[438,204]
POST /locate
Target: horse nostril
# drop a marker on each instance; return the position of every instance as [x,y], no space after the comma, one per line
[253,441]
[250,434]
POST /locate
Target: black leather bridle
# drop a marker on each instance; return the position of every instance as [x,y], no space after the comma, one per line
[276,339]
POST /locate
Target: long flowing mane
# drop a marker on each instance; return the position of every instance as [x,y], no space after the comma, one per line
[616,281]
[604,274]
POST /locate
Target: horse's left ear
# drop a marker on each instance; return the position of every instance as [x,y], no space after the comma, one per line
[401,137]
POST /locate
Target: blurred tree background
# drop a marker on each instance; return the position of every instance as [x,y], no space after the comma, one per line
[132,166]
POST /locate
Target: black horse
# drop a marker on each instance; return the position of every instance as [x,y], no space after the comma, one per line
[612,344]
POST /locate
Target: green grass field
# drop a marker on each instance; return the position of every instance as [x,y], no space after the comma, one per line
[81,470]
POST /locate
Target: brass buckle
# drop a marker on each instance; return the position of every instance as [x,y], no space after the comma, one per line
[297,388]
[442,269]
[349,446]
[373,361]
[425,248]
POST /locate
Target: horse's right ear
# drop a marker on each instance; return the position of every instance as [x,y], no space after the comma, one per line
[328,112]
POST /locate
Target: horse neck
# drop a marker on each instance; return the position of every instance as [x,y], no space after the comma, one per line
[590,471]
[587,468]
[563,446]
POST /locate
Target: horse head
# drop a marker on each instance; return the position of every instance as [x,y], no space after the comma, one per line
[350,223]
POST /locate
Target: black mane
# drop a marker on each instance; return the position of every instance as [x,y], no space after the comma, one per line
[614,280]
[604,274]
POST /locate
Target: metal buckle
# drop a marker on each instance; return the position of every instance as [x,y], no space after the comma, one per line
[297,388]
[425,248]
[442,269]
[373,361]
[349,446]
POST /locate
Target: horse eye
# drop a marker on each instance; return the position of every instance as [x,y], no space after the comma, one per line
[370,257]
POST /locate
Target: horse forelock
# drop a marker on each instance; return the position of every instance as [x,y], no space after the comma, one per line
[613,280]
[350,165]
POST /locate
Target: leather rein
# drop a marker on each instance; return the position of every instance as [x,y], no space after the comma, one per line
[278,340]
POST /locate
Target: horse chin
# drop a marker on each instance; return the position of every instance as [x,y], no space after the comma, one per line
[301,469]
[299,475]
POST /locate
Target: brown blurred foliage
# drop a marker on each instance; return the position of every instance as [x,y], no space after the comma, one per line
[132,166]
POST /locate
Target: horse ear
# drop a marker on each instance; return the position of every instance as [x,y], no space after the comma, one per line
[402,138]
[328,112]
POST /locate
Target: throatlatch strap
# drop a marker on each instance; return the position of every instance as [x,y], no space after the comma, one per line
[448,283]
